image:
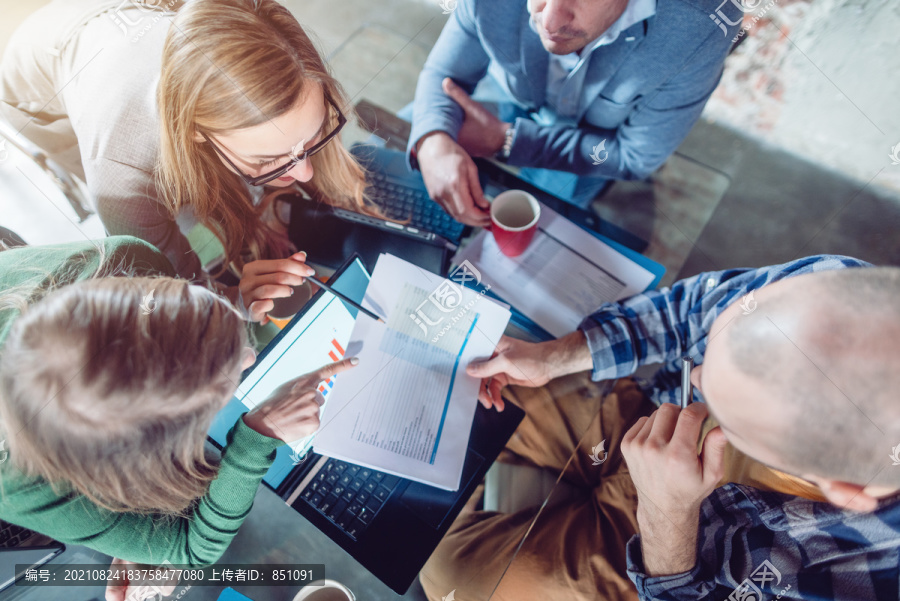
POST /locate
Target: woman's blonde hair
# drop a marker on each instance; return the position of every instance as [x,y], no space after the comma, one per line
[229,65]
[110,393]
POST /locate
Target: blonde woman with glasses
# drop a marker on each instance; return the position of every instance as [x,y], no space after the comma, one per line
[106,400]
[177,114]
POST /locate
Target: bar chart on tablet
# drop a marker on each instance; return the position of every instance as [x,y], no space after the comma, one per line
[335,353]
[293,358]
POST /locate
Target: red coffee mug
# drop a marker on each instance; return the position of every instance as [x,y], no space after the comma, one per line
[514,219]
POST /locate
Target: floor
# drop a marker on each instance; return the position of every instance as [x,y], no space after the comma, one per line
[725,200]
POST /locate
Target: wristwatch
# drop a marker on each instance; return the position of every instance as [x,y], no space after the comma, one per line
[503,153]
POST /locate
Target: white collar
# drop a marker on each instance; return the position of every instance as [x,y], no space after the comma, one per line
[635,12]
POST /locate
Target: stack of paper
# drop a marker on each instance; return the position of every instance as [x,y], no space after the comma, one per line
[407,408]
[563,276]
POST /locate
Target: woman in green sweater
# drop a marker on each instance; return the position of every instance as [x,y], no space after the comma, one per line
[106,399]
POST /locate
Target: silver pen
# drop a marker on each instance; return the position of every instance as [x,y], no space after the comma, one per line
[687,390]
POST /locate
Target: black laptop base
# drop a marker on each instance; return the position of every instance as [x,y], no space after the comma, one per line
[331,235]
[407,527]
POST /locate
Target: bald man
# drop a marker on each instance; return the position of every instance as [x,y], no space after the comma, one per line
[797,375]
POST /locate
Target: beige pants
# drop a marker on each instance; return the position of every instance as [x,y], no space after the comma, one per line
[576,549]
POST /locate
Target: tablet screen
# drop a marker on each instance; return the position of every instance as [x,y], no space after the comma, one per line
[315,337]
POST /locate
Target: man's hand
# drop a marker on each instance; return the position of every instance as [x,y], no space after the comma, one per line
[672,482]
[262,281]
[292,411]
[446,164]
[482,134]
[122,589]
[528,364]
[451,178]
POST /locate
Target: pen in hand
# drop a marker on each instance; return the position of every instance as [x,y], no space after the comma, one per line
[687,389]
[347,300]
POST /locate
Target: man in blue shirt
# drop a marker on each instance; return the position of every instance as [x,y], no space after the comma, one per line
[599,89]
[797,364]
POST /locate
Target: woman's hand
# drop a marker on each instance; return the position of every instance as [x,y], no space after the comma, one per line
[262,281]
[122,589]
[292,411]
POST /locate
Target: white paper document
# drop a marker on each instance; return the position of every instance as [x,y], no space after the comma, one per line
[407,408]
[562,277]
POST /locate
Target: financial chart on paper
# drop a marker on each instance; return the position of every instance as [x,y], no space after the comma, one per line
[417,383]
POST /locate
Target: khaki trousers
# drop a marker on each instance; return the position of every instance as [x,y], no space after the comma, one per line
[575,549]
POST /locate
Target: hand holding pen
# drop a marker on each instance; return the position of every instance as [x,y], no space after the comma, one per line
[687,389]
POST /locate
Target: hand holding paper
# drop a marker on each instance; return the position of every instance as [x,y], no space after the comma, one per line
[408,408]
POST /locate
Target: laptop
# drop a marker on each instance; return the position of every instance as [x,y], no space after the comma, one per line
[413,227]
[422,233]
[388,524]
[23,548]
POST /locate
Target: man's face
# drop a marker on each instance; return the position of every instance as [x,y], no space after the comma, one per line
[566,26]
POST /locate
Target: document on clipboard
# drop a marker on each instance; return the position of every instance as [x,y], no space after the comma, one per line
[562,277]
[407,408]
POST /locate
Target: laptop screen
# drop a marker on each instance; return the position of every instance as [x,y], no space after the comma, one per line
[315,337]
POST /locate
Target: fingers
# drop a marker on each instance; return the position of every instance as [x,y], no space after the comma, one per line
[303,396]
[636,433]
[262,281]
[690,422]
[458,95]
[489,393]
[258,310]
[495,387]
[486,369]
[332,369]
[289,414]
[484,396]
[278,284]
[296,416]
[293,265]
[469,197]
[713,455]
[260,301]
[304,420]
[480,202]
[464,208]
[115,592]
[451,179]
[270,291]
[116,587]
[666,417]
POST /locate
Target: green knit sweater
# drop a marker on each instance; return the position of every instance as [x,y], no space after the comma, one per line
[69,517]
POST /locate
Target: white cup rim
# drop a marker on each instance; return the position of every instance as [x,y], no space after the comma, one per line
[535,207]
[320,585]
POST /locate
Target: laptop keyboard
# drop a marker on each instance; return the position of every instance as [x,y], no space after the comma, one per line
[349,495]
[400,201]
[12,535]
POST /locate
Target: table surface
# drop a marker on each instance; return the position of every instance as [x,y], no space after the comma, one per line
[272,533]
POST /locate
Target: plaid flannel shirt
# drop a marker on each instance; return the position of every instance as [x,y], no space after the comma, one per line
[752,545]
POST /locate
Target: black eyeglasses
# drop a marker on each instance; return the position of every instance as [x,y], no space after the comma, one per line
[294,158]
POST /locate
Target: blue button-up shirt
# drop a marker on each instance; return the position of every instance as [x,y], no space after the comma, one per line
[748,539]
[566,73]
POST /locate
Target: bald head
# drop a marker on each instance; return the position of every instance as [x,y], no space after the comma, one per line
[808,381]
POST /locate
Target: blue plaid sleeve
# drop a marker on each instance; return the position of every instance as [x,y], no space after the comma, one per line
[661,326]
[754,545]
